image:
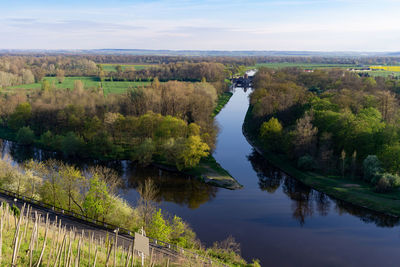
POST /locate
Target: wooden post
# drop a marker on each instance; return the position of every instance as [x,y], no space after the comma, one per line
[45,240]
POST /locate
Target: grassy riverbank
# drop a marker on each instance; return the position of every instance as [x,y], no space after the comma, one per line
[222,101]
[350,190]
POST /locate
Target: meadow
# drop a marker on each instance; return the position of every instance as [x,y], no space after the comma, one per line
[112,67]
[304,65]
[115,87]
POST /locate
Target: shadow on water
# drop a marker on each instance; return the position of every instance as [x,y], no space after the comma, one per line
[307,202]
[172,187]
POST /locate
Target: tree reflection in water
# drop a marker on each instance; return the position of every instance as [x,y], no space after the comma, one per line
[172,187]
[306,201]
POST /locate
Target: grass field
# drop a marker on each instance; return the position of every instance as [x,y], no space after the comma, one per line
[112,67]
[304,65]
[108,87]
[383,73]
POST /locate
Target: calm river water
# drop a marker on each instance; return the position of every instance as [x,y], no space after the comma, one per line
[275,218]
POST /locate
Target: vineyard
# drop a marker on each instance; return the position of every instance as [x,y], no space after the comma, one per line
[28,238]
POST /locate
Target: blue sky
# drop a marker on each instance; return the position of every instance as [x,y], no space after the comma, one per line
[312,25]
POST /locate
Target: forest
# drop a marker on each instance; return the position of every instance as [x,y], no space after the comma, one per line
[332,122]
[168,121]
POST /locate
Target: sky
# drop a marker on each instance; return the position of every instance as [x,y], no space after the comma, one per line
[287,25]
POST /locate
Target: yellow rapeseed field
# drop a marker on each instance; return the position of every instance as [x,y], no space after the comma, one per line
[387,68]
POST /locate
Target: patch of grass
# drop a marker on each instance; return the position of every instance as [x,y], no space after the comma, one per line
[362,194]
[383,73]
[222,101]
[116,87]
[112,67]
[212,173]
[302,65]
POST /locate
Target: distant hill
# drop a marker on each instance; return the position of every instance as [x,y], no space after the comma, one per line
[199,52]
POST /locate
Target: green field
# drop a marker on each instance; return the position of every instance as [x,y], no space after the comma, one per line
[112,67]
[383,73]
[304,65]
[89,82]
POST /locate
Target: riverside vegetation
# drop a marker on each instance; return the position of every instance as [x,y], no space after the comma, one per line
[93,193]
[332,129]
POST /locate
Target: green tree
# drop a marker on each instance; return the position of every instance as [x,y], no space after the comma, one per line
[145,151]
[21,116]
[72,181]
[72,145]
[159,227]
[390,157]
[181,234]
[372,168]
[193,151]
[25,136]
[46,139]
[271,134]
[46,86]
[97,198]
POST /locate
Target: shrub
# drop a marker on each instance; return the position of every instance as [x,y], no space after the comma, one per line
[306,163]
[372,169]
[387,182]
[25,136]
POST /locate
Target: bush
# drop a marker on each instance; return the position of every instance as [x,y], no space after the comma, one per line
[372,169]
[306,163]
[387,182]
[25,136]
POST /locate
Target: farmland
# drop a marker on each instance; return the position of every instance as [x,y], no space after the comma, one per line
[303,65]
[112,67]
[89,82]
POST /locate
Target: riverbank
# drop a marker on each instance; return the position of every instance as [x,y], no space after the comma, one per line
[353,191]
[208,170]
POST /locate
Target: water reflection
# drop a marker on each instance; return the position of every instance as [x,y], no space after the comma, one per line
[307,202]
[173,187]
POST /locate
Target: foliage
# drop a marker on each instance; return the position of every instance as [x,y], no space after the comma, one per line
[271,134]
[169,121]
[194,150]
[20,117]
[348,114]
[71,144]
[387,182]
[306,163]
[372,169]
[25,136]
[159,227]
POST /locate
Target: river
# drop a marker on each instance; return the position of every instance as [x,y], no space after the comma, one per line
[274,217]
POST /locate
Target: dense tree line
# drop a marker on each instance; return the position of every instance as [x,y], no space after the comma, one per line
[212,72]
[168,122]
[331,120]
